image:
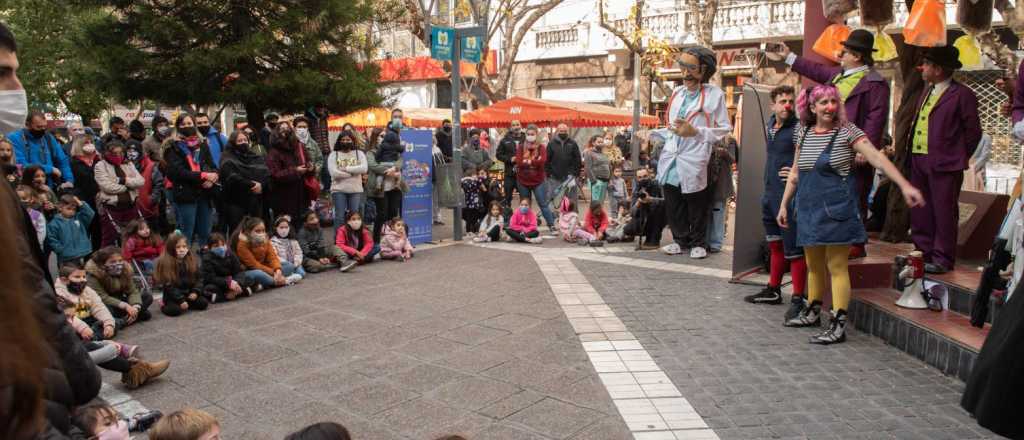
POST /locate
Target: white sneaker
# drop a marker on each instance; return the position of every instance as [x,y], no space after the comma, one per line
[536,240]
[698,253]
[672,249]
[293,278]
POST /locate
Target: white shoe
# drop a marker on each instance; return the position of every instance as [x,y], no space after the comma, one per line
[698,253]
[672,249]
[293,278]
[481,239]
[536,240]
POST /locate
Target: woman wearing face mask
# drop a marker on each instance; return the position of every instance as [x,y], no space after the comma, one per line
[384,178]
[161,131]
[312,149]
[347,166]
[108,274]
[83,159]
[193,178]
[530,161]
[288,166]
[119,184]
[246,179]
[151,191]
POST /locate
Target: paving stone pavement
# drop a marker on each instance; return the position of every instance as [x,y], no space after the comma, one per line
[749,377]
[458,340]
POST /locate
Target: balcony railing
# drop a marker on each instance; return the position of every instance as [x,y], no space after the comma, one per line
[558,38]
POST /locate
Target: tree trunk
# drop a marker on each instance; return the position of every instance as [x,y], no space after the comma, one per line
[897,218]
[254,116]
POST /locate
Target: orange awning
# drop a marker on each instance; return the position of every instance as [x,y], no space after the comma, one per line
[547,112]
[378,117]
[424,68]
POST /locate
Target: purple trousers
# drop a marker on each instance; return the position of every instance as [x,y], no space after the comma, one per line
[934,226]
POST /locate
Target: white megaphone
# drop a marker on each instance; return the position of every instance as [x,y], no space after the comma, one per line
[912,280]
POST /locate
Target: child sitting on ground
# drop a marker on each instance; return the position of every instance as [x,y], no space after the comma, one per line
[115,356]
[595,223]
[523,225]
[223,276]
[253,248]
[287,248]
[356,240]
[177,274]
[141,245]
[394,244]
[490,228]
[318,255]
[67,233]
[87,306]
[617,225]
[568,220]
[102,422]
[38,219]
[186,424]
[321,431]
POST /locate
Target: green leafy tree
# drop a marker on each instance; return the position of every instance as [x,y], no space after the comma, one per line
[264,54]
[55,71]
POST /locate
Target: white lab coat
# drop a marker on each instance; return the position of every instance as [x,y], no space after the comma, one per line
[691,155]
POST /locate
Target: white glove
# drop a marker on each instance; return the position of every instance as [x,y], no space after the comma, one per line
[1018,130]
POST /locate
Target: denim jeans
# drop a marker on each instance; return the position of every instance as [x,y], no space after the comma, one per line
[260,277]
[716,225]
[287,269]
[344,202]
[539,193]
[195,219]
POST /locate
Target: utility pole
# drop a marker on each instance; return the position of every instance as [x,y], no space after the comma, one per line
[457,127]
[635,139]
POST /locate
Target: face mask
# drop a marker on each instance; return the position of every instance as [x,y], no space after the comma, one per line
[447,128]
[242,147]
[76,287]
[531,138]
[563,136]
[13,110]
[396,123]
[37,133]
[181,252]
[283,231]
[88,148]
[272,125]
[116,432]
[355,224]
[345,146]
[523,210]
[259,237]
[114,160]
[219,251]
[204,129]
[187,131]
[163,130]
[115,269]
[303,134]
[515,130]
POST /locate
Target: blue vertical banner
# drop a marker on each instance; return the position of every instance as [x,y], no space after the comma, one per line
[417,207]
[442,43]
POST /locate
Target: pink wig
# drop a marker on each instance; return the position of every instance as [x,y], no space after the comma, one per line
[814,94]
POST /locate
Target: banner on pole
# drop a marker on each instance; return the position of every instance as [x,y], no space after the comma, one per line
[442,43]
[417,206]
[471,49]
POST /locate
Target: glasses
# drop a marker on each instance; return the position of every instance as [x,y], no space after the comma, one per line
[688,66]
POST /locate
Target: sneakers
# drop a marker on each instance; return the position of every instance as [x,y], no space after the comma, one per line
[836,331]
[484,239]
[293,279]
[769,295]
[672,249]
[347,265]
[698,253]
[810,316]
[596,243]
[142,372]
[796,305]
[535,240]
[581,242]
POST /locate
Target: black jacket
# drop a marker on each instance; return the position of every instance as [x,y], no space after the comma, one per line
[86,187]
[444,142]
[564,159]
[238,170]
[312,243]
[185,285]
[187,183]
[217,269]
[506,151]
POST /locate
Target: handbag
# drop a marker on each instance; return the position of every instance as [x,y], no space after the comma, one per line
[309,182]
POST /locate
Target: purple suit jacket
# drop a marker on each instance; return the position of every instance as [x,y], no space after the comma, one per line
[954,129]
[1018,96]
[867,107]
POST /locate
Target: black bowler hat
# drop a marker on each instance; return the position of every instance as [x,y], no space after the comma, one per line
[944,56]
[861,41]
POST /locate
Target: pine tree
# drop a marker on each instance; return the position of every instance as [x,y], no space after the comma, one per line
[264,54]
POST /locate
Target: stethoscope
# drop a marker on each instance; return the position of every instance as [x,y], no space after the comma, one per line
[700,107]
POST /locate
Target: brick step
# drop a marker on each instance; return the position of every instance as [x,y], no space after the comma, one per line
[945,340]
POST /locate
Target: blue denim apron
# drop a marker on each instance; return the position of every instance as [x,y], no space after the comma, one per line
[826,207]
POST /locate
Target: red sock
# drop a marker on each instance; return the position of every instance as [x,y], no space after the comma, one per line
[798,271]
[778,263]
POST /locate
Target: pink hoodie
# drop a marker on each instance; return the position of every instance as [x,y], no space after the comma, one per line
[393,244]
[523,223]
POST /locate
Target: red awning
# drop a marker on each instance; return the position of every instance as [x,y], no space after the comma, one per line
[547,112]
[424,68]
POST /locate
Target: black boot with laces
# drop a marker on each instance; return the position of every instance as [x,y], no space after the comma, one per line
[769,295]
[810,316]
[836,332]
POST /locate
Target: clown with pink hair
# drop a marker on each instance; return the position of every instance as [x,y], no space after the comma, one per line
[826,203]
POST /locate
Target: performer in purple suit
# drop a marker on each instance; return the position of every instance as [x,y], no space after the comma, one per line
[944,136]
[865,95]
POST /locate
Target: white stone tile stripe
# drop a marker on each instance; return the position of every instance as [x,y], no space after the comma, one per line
[122,402]
[652,407]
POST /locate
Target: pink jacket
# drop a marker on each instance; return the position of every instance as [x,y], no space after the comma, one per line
[393,243]
[568,223]
[523,223]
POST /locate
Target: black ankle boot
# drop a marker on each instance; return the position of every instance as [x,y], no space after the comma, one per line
[836,332]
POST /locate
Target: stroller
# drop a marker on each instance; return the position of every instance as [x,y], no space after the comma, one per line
[138,275]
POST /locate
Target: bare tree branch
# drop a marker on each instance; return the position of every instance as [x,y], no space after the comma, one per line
[633,46]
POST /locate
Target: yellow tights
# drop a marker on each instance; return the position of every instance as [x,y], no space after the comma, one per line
[834,259]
